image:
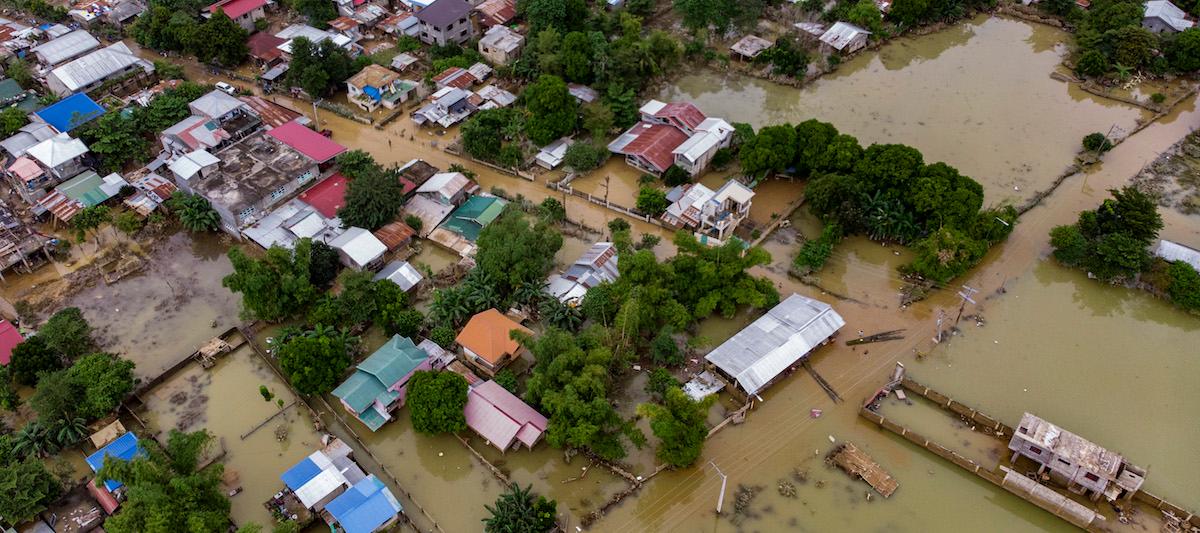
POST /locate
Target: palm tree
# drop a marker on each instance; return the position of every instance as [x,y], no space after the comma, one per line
[518,510]
[34,440]
[197,215]
[561,315]
[70,431]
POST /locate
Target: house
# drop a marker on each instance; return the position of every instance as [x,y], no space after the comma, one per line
[61,156]
[377,386]
[597,265]
[10,337]
[57,51]
[328,195]
[369,16]
[456,77]
[446,22]
[673,132]
[459,231]
[480,71]
[124,12]
[248,179]
[501,418]
[395,234]
[403,60]
[290,222]
[1075,462]
[243,12]
[87,189]
[399,272]
[1161,16]
[194,133]
[501,45]
[844,37]
[69,113]
[551,155]
[313,145]
[750,46]
[815,29]
[582,93]
[92,70]
[401,24]
[27,136]
[264,49]
[366,507]
[447,107]
[346,26]
[375,85]
[315,36]
[486,344]
[712,213]
[271,114]
[152,191]
[316,481]
[1173,251]
[29,179]
[358,248]
[494,13]
[761,352]
[447,188]
[494,97]
[110,492]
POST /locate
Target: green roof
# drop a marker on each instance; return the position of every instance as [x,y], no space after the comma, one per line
[85,188]
[475,214]
[372,418]
[384,368]
[9,89]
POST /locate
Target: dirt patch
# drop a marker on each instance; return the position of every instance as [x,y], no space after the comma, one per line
[1174,178]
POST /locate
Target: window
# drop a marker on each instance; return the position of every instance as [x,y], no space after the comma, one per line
[462,33]
[450,27]
[305,177]
[1091,477]
[1065,462]
[1035,450]
[275,194]
[246,213]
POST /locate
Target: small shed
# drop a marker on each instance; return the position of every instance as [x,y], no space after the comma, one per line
[551,155]
[395,234]
[401,273]
[358,248]
[750,46]
[107,434]
[845,37]
[403,60]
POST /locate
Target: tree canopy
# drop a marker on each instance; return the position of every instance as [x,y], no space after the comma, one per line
[374,196]
[319,69]
[553,112]
[89,389]
[315,360]
[1111,242]
[32,357]
[435,401]
[180,29]
[26,484]
[680,425]
[518,511]
[67,333]
[276,287]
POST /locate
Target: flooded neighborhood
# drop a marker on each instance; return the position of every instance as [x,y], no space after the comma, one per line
[535,265]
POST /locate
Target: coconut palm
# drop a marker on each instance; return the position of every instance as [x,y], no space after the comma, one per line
[197,215]
[70,430]
[34,440]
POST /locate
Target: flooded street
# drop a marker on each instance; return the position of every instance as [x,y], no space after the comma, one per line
[977,96]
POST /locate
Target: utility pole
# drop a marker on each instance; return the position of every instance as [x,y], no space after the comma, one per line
[965,294]
[316,119]
[607,177]
[724,480]
[937,338]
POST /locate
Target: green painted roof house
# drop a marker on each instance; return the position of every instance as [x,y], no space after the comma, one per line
[378,384]
[475,214]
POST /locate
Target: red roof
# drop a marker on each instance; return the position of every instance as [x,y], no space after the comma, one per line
[263,45]
[105,498]
[501,417]
[493,12]
[682,112]
[9,339]
[327,196]
[457,77]
[308,142]
[271,113]
[343,23]
[654,143]
[236,8]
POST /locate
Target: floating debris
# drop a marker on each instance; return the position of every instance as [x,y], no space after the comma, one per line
[860,465]
[800,475]
[786,489]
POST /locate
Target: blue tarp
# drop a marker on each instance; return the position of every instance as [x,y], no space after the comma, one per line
[71,112]
[365,507]
[372,92]
[298,475]
[124,448]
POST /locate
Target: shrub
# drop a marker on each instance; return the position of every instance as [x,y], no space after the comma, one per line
[435,400]
[443,336]
[414,222]
[1185,286]
[664,350]
[652,201]
[507,379]
[585,156]
[1097,142]
[674,176]
[1158,98]
[816,252]
[660,380]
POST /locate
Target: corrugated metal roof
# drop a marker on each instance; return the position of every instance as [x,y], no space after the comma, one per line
[500,417]
[1173,251]
[57,150]
[1168,13]
[842,34]
[771,344]
[98,65]
[68,46]
[360,246]
[401,273]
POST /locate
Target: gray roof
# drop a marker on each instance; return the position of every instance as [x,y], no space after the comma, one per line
[842,34]
[29,135]
[774,342]
[401,273]
[1173,251]
[443,12]
[68,46]
[216,104]
[98,65]
[1169,13]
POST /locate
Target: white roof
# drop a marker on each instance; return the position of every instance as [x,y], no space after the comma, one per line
[57,150]
[651,107]
[1168,13]
[320,486]
[401,273]
[112,183]
[733,190]
[313,34]
[98,65]
[68,46]
[1173,251]
[841,34]
[359,245]
[501,37]
[695,196]
[189,164]
[444,183]
[216,104]
[711,133]
[774,342]
[552,154]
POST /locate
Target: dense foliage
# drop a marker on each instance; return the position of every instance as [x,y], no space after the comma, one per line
[816,252]
[680,425]
[195,213]
[362,300]
[1110,242]
[517,511]
[494,135]
[216,40]
[652,201]
[1110,39]
[319,69]
[315,360]
[277,286]
[26,484]
[374,195]
[119,139]
[89,389]
[165,490]
[67,333]
[32,357]
[435,401]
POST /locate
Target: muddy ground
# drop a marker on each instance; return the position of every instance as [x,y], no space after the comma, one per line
[1174,177]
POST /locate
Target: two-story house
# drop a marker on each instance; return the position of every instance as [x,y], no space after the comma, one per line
[62,156]
[242,12]
[677,133]
[377,386]
[375,85]
[1072,461]
[217,120]
[713,213]
[501,45]
[445,22]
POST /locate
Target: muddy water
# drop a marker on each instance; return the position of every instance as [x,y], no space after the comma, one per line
[977,96]
[225,400]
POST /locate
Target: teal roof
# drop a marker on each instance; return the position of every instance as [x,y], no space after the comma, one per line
[85,188]
[9,89]
[384,368]
[475,214]
[372,419]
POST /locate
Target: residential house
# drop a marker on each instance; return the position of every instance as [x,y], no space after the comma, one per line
[57,51]
[110,492]
[480,71]
[1075,462]
[251,176]
[290,222]
[415,5]
[273,115]
[153,190]
[328,195]
[750,46]
[315,36]
[264,49]
[1161,16]
[116,61]
[551,155]
[395,234]
[194,133]
[447,107]
[399,272]
[401,24]
[495,97]
[582,93]
[316,481]
[446,22]
[313,145]
[25,137]
[844,37]
[494,13]
[375,85]
[359,249]
[707,212]
[243,12]
[87,189]
[62,156]
[671,134]
[29,179]
[1173,251]
[369,16]
[69,113]
[217,120]
[346,26]
[366,507]
[459,231]
[377,386]
[457,77]
[597,265]
[486,344]
[403,60]
[10,337]
[447,188]
[125,12]
[501,418]
[761,352]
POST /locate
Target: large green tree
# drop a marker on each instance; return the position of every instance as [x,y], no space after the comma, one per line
[517,510]
[553,112]
[220,40]
[91,388]
[374,196]
[67,333]
[1111,241]
[435,401]
[27,487]
[772,149]
[32,357]
[679,423]
[276,287]
[315,361]
[514,255]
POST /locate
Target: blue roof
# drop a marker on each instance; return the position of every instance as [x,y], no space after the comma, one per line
[365,507]
[71,112]
[124,448]
[298,475]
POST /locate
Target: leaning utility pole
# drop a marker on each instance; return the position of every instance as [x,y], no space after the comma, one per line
[724,480]
[965,294]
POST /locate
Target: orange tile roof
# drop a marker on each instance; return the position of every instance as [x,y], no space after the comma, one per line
[486,335]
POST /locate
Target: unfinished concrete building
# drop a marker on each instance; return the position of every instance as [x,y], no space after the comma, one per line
[1082,466]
